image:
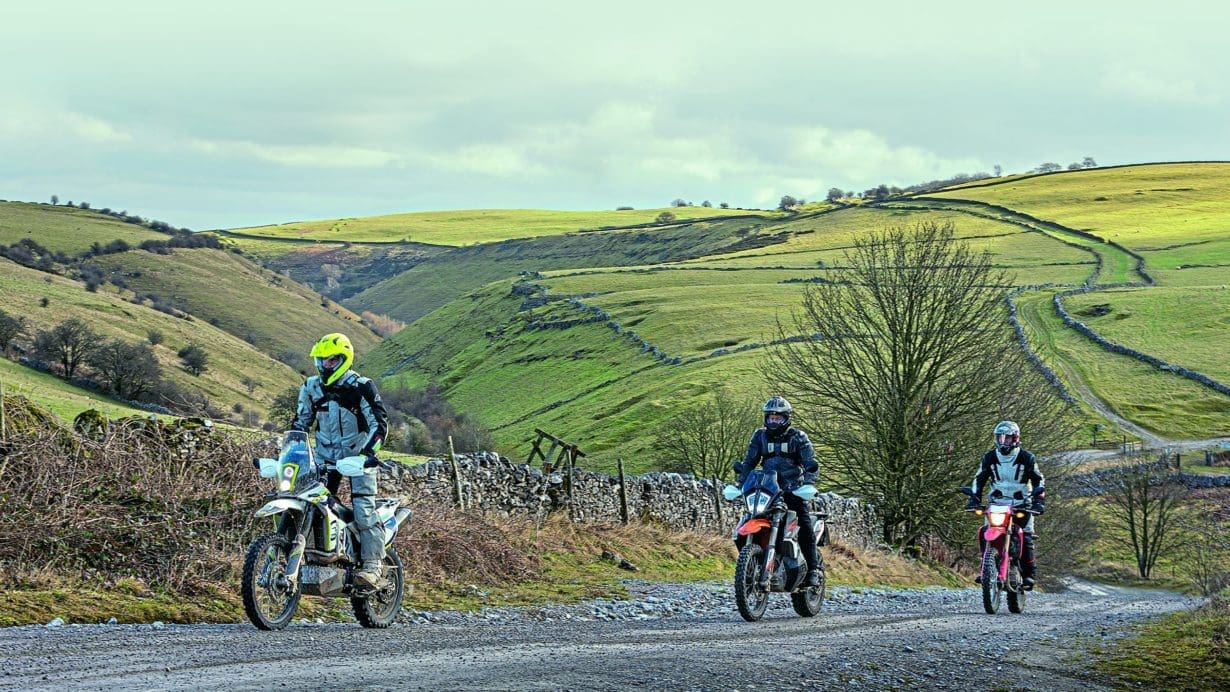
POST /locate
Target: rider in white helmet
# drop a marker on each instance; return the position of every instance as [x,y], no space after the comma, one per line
[1010,470]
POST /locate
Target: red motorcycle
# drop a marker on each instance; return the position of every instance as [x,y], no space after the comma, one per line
[1002,536]
[770,557]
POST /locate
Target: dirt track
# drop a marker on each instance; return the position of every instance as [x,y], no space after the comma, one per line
[932,638]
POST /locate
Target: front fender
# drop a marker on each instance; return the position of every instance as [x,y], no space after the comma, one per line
[282,504]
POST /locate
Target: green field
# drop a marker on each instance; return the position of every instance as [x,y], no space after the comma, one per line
[1164,403]
[429,285]
[472,226]
[1185,326]
[231,360]
[274,314]
[697,291]
[61,398]
[66,229]
[1174,214]
[600,389]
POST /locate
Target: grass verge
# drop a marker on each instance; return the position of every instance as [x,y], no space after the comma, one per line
[502,562]
[1185,651]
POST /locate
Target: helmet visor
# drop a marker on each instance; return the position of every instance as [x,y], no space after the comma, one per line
[1007,439]
[329,364]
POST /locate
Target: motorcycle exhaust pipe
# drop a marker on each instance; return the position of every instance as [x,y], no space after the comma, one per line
[402,515]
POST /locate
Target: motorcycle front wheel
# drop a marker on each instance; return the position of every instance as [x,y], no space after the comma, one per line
[1016,592]
[991,592]
[751,601]
[380,608]
[267,600]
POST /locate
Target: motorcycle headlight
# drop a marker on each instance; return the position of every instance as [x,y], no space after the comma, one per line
[997,518]
[757,502]
[284,486]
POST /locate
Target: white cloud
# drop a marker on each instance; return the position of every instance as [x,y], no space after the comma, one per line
[1166,89]
[298,156]
[862,157]
[24,121]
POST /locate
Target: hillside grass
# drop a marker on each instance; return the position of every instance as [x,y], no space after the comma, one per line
[1165,403]
[1189,650]
[1174,214]
[599,389]
[472,226]
[439,279]
[231,359]
[66,229]
[1188,326]
[60,397]
[274,314]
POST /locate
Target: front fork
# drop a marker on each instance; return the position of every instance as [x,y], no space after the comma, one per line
[770,552]
[294,561]
[1001,544]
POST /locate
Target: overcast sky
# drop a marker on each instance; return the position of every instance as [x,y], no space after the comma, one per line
[222,114]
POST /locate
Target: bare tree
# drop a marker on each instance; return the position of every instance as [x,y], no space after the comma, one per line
[194,358]
[1143,501]
[129,370]
[68,343]
[706,438]
[900,365]
[10,327]
[1205,549]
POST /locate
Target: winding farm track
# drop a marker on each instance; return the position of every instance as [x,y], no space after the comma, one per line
[932,638]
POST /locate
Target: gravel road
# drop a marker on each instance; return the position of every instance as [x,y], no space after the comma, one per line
[665,636]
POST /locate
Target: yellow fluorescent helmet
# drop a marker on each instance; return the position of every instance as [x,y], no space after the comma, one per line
[326,355]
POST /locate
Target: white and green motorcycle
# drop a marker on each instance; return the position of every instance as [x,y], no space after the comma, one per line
[315,549]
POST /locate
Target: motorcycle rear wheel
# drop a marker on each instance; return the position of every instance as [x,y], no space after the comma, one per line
[751,601]
[379,609]
[808,601]
[991,592]
[268,605]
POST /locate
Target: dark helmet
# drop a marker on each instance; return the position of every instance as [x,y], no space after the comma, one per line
[777,405]
[1007,437]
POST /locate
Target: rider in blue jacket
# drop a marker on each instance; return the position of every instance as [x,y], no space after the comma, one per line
[788,451]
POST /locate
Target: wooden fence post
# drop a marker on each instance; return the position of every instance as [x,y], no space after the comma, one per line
[452,456]
[623,492]
[572,510]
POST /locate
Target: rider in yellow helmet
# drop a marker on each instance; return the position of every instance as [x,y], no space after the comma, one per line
[350,420]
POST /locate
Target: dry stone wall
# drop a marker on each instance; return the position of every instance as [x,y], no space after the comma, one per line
[492,484]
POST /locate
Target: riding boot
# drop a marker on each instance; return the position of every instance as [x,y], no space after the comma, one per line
[1028,561]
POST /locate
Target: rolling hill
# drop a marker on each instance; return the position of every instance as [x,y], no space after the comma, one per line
[684,326]
[549,320]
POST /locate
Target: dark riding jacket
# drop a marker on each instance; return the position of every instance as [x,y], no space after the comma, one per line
[788,452]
